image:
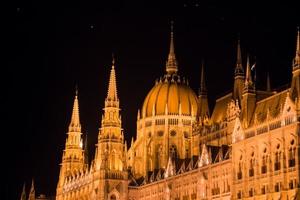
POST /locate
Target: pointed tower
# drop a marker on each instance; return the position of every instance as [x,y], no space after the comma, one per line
[248,98]
[73,154]
[295,86]
[171,66]
[203,101]
[239,75]
[111,157]
[32,192]
[23,195]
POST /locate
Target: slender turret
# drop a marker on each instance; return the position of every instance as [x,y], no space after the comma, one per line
[239,75]
[110,158]
[295,86]
[203,101]
[73,154]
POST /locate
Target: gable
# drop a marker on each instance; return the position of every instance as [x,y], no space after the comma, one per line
[238,131]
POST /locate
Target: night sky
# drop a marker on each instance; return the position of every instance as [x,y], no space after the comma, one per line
[57,48]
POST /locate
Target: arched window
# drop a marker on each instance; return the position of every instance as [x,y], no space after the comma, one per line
[186,135]
[264,164]
[292,154]
[277,161]
[113,197]
[240,174]
[277,158]
[251,167]
[173,152]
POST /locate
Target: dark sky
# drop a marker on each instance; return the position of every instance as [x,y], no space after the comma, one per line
[58,47]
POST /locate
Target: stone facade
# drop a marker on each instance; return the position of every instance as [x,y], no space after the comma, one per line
[247,148]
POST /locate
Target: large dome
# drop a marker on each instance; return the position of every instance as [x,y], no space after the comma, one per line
[172,94]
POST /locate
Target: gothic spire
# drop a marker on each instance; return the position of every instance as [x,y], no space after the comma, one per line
[202,90]
[248,72]
[297,56]
[32,192]
[171,66]
[112,88]
[239,71]
[75,122]
[248,80]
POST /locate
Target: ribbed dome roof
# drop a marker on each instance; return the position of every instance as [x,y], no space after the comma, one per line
[171,93]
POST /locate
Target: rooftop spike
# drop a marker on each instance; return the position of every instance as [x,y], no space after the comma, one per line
[75,122]
[32,191]
[171,66]
[297,56]
[132,142]
[248,80]
[112,88]
[138,114]
[23,195]
[202,90]
[248,72]
[239,68]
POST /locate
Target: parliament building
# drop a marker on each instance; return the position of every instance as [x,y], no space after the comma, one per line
[247,147]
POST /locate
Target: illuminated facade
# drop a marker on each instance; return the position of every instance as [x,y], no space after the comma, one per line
[246,148]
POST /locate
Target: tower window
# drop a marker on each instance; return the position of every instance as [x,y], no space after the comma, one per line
[173,152]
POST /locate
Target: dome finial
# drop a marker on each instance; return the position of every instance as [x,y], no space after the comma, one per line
[113,60]
[171,66]
[76,90]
